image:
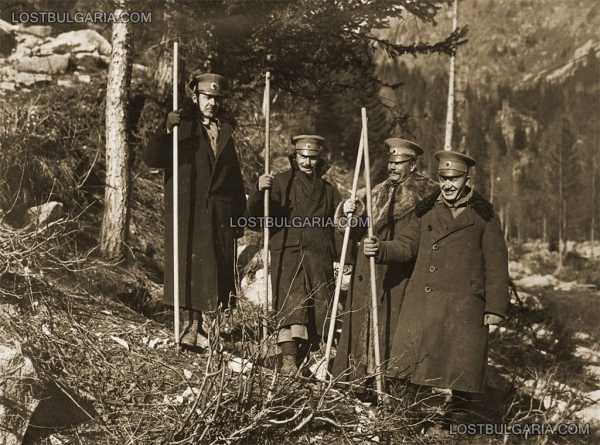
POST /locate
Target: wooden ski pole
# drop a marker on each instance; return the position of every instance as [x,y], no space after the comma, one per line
[340,276]
[267,107]
[374,311]
[175,201]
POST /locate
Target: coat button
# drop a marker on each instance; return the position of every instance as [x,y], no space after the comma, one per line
[435,247]
[432,268]
[427,289]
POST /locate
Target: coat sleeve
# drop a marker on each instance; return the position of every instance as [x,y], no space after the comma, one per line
[404,246]
[358,226]
[495,258]
[240,192]
[338,236]
[158,153]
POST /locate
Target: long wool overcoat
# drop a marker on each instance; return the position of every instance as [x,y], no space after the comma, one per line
[460,274]
[301,257]
[391,206]
[211,192]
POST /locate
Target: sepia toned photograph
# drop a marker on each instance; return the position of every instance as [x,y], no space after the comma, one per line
[299,222]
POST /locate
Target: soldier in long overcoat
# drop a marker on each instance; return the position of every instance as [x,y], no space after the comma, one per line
[459,285]
[211,192]
[393,201]
[302,246]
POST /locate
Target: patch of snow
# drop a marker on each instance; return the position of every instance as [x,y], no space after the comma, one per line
[591,413]
[528,300]
[239,365]
[593,370]
[581,336]
[254,289]
[518,269]
[587,354]
[537,281]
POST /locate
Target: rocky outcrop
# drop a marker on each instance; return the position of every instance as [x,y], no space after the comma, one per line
[17,401]
[32,56]
[44,214]
[81,41]
[52,64]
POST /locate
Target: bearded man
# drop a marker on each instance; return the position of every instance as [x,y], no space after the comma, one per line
[393,201]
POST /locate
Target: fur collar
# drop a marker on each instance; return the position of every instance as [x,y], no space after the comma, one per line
[392,203]
[477,202]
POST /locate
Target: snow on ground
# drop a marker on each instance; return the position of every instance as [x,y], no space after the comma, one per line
[253,288]
[536,280]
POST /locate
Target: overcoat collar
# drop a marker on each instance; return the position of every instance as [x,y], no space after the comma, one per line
[442,224]
[191,128]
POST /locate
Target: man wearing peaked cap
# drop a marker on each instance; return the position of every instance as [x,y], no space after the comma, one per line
[301,256]
[206,83]
[458,288]
[211,192]
[393,200]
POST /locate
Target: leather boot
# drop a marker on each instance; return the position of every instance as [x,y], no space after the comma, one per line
[289,353]
[190,334]
[288,365]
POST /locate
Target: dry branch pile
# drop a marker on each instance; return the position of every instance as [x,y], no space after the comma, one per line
[121,371]
[122,374]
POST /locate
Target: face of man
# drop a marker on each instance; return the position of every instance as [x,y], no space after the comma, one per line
[307,162]
[452,186]
[399,170]
[208,105]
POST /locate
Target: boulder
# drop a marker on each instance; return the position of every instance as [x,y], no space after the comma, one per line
[17,401]
[44,214]
[64,83]
[90,61]
[30,79]
[53,64]
[7,73]
[6,27]
[83,40]
[7,86]
[37,30]
[84,78]
[29,41]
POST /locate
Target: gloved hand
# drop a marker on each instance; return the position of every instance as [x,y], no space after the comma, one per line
[265,182]
[371,246]
[492,319]
[173,118]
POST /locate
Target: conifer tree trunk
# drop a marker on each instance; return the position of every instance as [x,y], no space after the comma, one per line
[560,211]
[115,223]
[593,210]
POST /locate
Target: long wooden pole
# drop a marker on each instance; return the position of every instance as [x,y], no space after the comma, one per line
[374,311]
[267,109]
[450,107]
[175,200]
[340,276]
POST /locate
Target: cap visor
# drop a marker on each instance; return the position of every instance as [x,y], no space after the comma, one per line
[451,172]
